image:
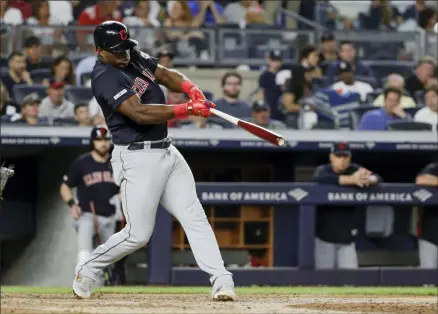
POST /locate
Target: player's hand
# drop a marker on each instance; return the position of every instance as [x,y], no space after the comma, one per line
[193,91]
[200,108]
[75,212]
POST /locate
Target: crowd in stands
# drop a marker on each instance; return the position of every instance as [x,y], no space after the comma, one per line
[330,87]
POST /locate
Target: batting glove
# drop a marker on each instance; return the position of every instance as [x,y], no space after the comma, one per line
[194,108]
[193,91]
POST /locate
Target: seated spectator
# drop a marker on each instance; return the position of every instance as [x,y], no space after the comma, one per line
[261,116]
[413,11]
[296,88]
[82,116]
[347,53]
[309,58]
[396,81]
[17,72]
[63,10]
[377,120]
[165,58]
[429,113]
[428,237]
[336,226]
[95,112]
[32,52]
[382,15]
[230,103]
[48,34]
[7,108]
[86,65]
[348,83]
[329,51]
[141,26]
[207,12]
[270,91]
[55,105]
[103,10]
[244,12]
[200,123]
[181,17]
[63,71]
[427,19]
[30,110]
[424,71]
[10,15]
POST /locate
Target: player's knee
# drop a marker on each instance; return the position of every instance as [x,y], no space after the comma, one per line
[140,239]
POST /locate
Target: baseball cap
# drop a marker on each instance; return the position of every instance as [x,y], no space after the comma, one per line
[260,105]
[165,53]
[275,54]
[100,132]
[344,67]
[56,84]
[327,37]
[31,99]
[341,149]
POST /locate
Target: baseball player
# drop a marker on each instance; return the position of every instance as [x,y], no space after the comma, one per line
[97,194]
[147,167]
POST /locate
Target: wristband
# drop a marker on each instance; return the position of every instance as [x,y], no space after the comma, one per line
[186,86]
[180,110]
[71,202]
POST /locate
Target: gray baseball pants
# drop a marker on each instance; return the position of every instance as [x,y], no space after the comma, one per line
[332,255]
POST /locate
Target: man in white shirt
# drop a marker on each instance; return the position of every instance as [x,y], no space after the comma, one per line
[55,105]
[429,114]
[86,65]
[395,81]
[349,84]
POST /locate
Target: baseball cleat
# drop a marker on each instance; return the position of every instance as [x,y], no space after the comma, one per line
[225,293]
[82,287]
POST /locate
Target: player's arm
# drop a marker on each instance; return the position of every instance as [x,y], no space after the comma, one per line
[69,181]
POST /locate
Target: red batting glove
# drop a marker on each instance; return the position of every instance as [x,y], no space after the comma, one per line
[196,108]
[194,92]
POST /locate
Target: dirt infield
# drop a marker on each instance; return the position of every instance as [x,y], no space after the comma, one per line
[197,303]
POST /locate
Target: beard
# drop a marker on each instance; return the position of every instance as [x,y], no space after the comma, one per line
[102,152]
[231,94]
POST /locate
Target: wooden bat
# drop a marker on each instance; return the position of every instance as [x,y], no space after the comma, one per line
[256,130]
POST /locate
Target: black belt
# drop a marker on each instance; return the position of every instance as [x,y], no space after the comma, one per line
[157,145]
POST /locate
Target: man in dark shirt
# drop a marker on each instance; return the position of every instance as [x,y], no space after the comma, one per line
[336,226]
[17,72]
[328,51]
[32,52]
[424,71]
[270,91]
[428,237]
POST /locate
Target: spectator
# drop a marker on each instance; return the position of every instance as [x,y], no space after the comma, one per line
[82,116]
[165,58]
[32,52]
[17,72]
[95,112]
[244,12]
[270,90]
[55,105]
[378,119]
[63,10]
[413,11]
[348,83]
[382,15]
[261,115]
[142,25]
[207,12]
[329,51]
[30,110]
[85,66]
[336,226]
[230,103]
[63,71]
[424,71]
[181,17]
[200,123]
[296,88]
[10,15]
[396,81]
[427,19]
[309,58]
[428,237]
[7,108]
[102,11]
[429,113]
[347,53]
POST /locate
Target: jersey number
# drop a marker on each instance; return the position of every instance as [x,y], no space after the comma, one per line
[139,86]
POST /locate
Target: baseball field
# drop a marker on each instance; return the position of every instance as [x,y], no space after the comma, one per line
[402,300]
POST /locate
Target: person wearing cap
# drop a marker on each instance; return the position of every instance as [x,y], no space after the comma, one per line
[336,226]
[269,88]
[378,119]
[348,83]
[30,110]
[165,58]
[261,116]
[328,52]
[55,105]
[425,70]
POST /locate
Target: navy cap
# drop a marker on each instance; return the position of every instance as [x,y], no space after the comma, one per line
[275,54]
[327,37]
[341,149]
[344,67]
[260,105]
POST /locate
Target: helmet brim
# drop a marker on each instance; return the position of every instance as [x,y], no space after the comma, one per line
[123,46]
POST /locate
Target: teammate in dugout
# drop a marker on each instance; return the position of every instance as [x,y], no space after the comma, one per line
[147,167]
[336,226]
[92,175]
[428,237]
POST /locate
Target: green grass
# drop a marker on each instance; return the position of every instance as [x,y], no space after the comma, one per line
[388,291]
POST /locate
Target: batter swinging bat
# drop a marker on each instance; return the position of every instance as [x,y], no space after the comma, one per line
[258,131]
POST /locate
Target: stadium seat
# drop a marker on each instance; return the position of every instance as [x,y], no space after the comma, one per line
[237,53]
[20,91]
[324,125]
[383,70]
[3,71]
[3,62]
[64,121]
[373,95]
[78,95]
[419,97]
[85,77]
[38,75]
[409,126]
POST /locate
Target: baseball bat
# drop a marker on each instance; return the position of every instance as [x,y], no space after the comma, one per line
[256,130]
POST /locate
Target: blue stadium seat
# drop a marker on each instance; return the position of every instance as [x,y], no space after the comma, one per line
[22,90]
[419,97]
[78,95]
[3,71]
[64,121]
[383,70]
[3,62]
[208,94]
[38,75]
[238,53]
[409,126]
[368,79]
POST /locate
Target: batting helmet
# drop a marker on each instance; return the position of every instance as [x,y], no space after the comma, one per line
[100,132]
[113,36]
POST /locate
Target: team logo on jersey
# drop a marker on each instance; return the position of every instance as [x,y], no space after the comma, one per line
[98,177]
[148,74]
[123,34]
[139,86]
